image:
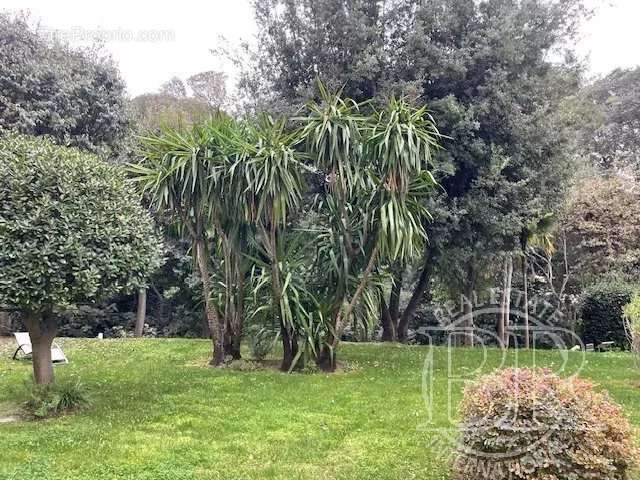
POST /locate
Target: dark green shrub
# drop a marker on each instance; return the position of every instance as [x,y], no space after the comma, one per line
[523,424]
[50,400]
[601,313]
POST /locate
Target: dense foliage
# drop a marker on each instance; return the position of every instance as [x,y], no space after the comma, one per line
[72,231]
[483,70]
[153,111]
[533,425]
[75,96]
[631,312]
[601,311]
[368,212]
[611,135]
[601,230]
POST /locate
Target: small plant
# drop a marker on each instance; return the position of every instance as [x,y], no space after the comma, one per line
[523,424]
[261,342]
[50,400]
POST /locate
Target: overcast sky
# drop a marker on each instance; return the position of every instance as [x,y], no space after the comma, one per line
[153,41]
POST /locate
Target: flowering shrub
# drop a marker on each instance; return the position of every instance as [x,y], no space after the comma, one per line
[531,424]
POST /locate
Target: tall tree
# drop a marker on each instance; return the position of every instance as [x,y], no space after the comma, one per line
[174,87]
[483,68]
[151,112]
[46,88]
[602,230]
[274,190]
[339,41]
[377,171]
[209,87]
[181,174]
[610,135]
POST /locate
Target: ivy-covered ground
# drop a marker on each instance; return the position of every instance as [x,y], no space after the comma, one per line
[158,413]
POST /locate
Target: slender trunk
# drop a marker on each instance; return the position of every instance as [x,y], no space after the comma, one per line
[5,323]
[326,360]
[216,326]
[343,317]
[507,302]
[289,348]
[141,312]
[388,327]
[525,288]
[418,293]
[287,333]
[238,322]
[394,299]
[501,320]
[42,332]
[467,311]
[206,331]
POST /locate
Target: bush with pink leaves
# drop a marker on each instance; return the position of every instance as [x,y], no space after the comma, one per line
[533,425]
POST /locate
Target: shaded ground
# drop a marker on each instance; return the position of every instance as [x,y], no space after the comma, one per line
[158,414]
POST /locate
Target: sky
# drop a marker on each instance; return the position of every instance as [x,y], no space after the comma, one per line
[153,41]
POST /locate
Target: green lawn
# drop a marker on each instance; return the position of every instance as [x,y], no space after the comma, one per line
[158,414]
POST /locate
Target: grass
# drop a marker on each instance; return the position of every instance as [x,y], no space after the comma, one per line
[158,414]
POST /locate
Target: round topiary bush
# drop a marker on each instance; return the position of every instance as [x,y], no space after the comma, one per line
[601,313]
[532,425]
[72,232]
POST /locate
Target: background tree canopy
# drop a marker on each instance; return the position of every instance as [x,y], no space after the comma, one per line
[482,68]
[75,96]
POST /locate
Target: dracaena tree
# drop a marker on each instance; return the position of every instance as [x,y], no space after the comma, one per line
[376,169]
[270,164]
[186,176]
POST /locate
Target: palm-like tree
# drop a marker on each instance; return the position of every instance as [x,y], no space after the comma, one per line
[184,174]
[536,233]
[376,172]
[271,172]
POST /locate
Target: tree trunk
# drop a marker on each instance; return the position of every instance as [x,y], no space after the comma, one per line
[507,303]
[388,327]
[206,330]
[42,332]
[141,312]
[394,299]
[525,291]
[501,320]
[326,361]
[467,312]
[216,326]
[289,348]
[238,321]
[418,293]
[343,316]
[5,323]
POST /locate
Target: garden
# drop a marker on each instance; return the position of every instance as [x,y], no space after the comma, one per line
[157,412]
[401,251]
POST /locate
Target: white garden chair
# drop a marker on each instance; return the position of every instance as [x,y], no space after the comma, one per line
[24,345]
